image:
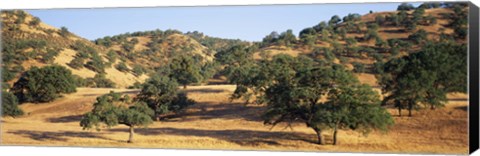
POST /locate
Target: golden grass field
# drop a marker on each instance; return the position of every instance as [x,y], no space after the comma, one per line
[216,123]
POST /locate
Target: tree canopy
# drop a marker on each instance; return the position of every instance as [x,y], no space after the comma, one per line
[113,109]
[425,77]
[44,84]
[161,94]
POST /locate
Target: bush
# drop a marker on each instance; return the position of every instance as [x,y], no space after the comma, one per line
[99,81]
[64,32]
[44,84]
[10,105]
[122,67]
[358,67]
[76,63]
[138,70]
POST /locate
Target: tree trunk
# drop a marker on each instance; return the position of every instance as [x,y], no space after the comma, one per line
[410,109]
[399,112]
[432,107]
[130,138]
[335,136]
[184,86]
[319,136]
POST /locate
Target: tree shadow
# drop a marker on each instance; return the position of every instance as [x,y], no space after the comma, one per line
[64,119]
[240,137]
[57,136]
[221,111]
[204,90]
[463,108]
[458,99]
[394,31]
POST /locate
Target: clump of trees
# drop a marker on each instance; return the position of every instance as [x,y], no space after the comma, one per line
[44,84]
[185,69]
[113,109]
[424,78]
[161,94]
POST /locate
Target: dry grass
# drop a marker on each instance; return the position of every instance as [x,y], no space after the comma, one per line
[217,123]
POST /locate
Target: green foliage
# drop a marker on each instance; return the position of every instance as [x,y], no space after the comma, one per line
[308,37]
[96,63]
[295,95]
[138,70]
[352,18]
[430,5]
[10,105]
[405,7]
[34,22]
[162,95]
[358,67]
[370,35]
[64,32]
[425,77]
[113,109]
[352,107]
[185,70]
[50,55]
[76,63]
[44,84]
[112,56]
[128,47]
[99,81]
[419,36]
[272,38]
[334,20]
[122,67]
[287,38]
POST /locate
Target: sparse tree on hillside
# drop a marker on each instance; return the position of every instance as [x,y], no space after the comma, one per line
[334,20]
[405,7]
[113,109]
[44,84]
[308,36]
[76,63]
[96,63]
[419,36]
[122,67]
[288,38]
[64,32]
[358,67]
[138,70]
[34,22]
[162,95]
[99,81]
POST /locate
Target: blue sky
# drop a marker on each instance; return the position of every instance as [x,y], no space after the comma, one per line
[250,23]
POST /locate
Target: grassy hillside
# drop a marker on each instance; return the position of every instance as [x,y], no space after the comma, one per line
[28,42]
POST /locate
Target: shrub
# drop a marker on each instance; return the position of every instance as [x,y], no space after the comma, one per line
[10,105]
[122,67]
[64,32]
[99,81]
[358,67]
[44,84]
